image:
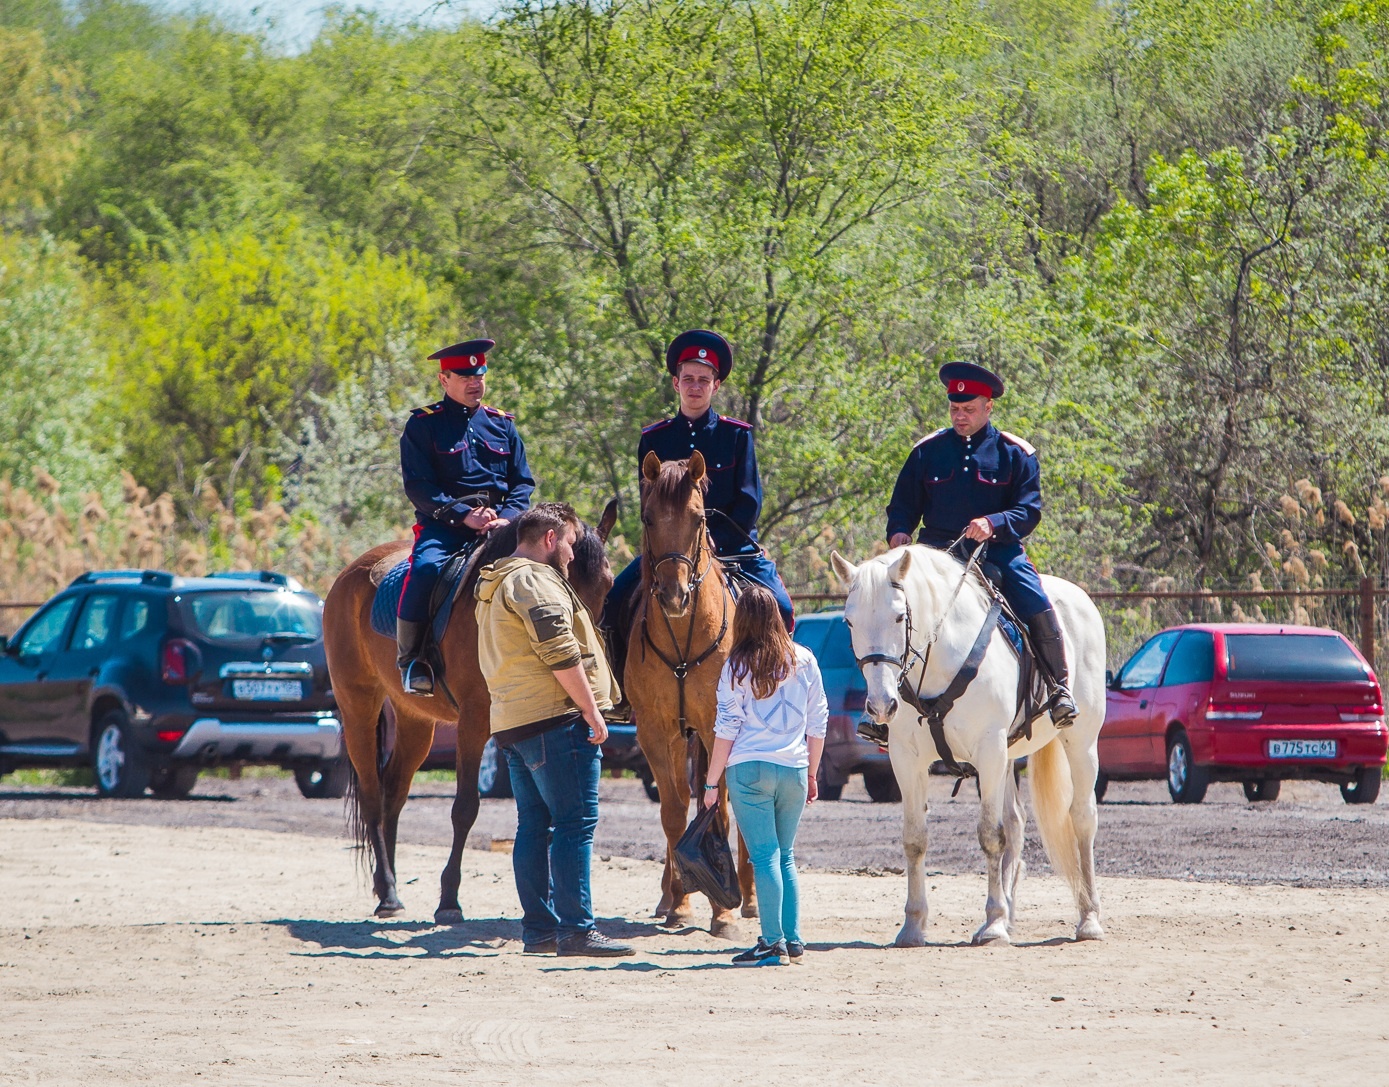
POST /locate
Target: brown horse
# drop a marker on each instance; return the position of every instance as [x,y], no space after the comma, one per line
[680,637]
[362,665]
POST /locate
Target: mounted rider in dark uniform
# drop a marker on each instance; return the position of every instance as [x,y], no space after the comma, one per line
[699,362]
[973,479]
[465,472]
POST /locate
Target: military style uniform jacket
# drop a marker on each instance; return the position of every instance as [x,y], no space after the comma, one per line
[948,481]
[735,488]
[448,451]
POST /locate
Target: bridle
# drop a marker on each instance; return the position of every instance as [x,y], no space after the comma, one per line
[932,711]
[703,555]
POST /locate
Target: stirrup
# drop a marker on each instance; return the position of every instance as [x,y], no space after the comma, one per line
[621,714]
[417,678]
[871,731]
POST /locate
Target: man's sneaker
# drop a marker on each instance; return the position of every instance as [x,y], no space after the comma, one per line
[593,944]
[763,954]
[547,946]
[796,950]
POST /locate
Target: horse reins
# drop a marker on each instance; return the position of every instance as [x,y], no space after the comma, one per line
[682,667]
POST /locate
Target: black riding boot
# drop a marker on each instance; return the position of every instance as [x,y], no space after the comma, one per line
[416,677]
[1051,651]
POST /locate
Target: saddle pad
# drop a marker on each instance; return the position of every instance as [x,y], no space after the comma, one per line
[386,602]
[1011,632]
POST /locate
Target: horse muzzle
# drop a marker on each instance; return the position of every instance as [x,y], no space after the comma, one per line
[880,711]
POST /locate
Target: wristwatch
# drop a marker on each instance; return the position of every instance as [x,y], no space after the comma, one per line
[711,786]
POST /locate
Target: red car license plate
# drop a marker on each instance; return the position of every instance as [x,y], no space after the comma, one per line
[1302,749]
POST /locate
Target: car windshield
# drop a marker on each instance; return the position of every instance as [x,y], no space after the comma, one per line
[1291,658]
[237,616]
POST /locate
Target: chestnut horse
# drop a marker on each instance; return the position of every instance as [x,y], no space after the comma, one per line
[363,669]
[682,630]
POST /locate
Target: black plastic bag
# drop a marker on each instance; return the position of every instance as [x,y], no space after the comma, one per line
[705,864]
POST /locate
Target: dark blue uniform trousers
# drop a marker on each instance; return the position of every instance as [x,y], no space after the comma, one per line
[756,568]
[1022,585]
[435,544]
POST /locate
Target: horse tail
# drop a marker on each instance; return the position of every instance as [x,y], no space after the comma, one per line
[1049,773]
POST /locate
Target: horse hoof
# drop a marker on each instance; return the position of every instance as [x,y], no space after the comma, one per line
[749,909]
[389,909]
[992,938]
[1089,929]
[452,916]
[674,920]
[910,937]
[724,929]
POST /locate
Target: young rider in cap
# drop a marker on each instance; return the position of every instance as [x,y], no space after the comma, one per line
[975,479]
[465,472]
[699,361]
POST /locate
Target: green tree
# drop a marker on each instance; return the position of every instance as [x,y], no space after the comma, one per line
[38,106]
[221,347]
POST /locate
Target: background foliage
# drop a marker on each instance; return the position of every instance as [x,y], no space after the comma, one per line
[221,266]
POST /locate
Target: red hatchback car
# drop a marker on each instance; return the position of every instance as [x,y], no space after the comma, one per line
[1244,702]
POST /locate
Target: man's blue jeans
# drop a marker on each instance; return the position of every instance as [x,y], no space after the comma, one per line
[555,779]
[768,800]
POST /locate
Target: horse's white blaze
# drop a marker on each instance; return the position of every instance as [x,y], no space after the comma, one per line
[920,582]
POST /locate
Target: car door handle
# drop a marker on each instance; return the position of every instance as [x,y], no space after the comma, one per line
[1142,703]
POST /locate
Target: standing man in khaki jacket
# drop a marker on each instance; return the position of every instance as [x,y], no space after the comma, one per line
[550,683]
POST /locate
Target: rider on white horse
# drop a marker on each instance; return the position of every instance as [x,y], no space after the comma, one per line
[975,480]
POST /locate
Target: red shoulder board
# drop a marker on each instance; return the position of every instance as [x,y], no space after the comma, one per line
[1024,446]
[429,409]
[735,422]
[497,411]
[656,425]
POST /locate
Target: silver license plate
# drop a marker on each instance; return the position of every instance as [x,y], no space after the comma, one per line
[1302,749]
[268,690]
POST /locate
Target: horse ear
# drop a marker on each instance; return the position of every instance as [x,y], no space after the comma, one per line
[843,568]
[898,570]
[651,468]
[609,518]
[698,469]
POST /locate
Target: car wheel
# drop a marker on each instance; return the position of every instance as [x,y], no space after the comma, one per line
[1365,790]
[493,778]
[173,782]
[830,792]
[1263,789]
[1101,785]
[326,781]
[120,764]
[648,783]
[1185,780]
[882,786]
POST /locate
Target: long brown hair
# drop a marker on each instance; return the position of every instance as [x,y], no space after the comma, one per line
[762,650]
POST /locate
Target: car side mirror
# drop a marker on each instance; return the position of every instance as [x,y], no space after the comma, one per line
[11,647]
[1109,678]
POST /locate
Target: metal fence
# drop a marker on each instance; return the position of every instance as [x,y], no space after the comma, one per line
[1131,617]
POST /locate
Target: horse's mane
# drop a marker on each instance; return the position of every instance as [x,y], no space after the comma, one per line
[672,486]
[589,554]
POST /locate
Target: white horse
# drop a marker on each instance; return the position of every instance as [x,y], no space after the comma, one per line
[907,594]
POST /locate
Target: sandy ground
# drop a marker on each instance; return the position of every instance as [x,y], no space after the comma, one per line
[176,955]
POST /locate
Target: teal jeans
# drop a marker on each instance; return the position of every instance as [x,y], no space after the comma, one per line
[768,800]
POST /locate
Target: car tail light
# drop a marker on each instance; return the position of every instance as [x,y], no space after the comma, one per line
[169,736]
[1234,711]
[1360,713]
[179,661]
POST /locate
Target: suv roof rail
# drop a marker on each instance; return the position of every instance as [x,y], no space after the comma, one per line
[265,577]
[147,577]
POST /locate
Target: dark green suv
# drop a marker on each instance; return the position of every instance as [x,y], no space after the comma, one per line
[149,678]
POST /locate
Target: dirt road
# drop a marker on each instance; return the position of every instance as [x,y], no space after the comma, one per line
[145,954]
[1308,837]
